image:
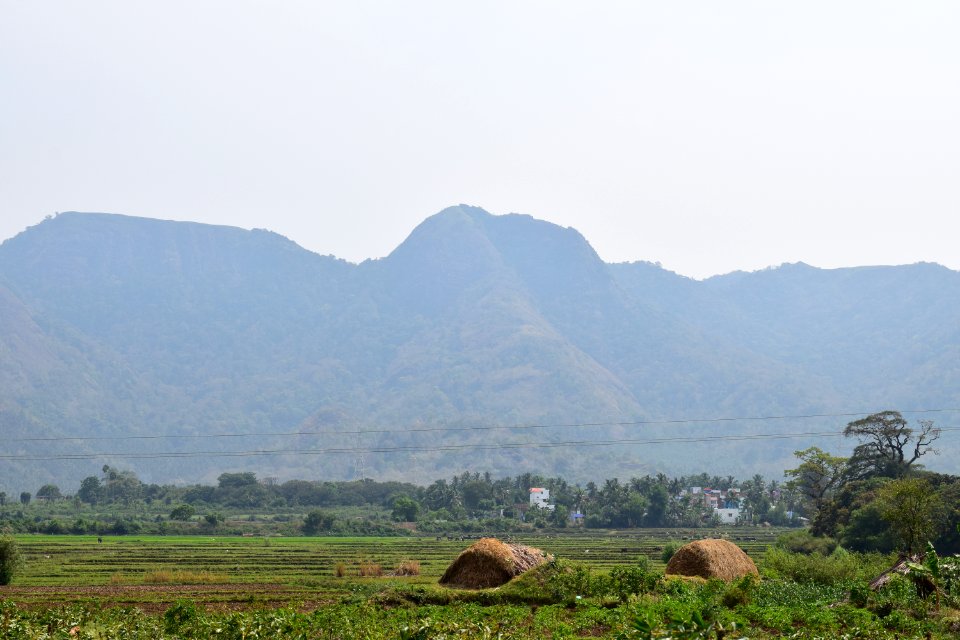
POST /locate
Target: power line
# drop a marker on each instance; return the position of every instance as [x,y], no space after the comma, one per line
[452,447]
[628,423]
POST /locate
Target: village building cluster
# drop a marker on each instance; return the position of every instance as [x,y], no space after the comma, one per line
[727,505]
[724,502]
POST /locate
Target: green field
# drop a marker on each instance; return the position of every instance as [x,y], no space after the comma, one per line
[81,560]
[245,587]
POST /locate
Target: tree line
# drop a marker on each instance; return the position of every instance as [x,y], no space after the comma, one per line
[880,498]
[648,501]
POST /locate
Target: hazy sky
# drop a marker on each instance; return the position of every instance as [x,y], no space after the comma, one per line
[709,136]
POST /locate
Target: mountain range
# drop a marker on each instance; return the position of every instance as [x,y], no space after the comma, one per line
[182,350]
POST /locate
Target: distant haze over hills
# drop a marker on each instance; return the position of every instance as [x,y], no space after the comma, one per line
[125,329]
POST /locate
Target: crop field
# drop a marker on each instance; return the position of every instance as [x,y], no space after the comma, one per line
[605,584]
[244,572]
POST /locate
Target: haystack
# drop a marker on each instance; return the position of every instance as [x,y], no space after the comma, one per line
[711,559]
[490,563]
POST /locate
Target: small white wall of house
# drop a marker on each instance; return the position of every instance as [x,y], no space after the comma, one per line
[541,499]
[728,516]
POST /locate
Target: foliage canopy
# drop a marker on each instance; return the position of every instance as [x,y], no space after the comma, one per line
[10,558]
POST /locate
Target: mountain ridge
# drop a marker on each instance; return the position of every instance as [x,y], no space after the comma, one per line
[177,327]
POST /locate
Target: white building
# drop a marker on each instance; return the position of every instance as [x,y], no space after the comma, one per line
[728,516]
[540,498]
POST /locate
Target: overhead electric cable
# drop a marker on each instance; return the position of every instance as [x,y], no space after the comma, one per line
[452,447]
[625,423]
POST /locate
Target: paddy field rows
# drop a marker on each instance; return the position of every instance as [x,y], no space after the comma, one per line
[242,572]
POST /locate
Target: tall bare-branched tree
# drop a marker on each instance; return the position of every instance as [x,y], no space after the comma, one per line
[888,446]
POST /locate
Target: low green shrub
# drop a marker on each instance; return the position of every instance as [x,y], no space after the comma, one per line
[625,581]
[680,587]
[178,616]
[802,541]
[562,581]
[10,558]
[897,594]
[668,550]
[859,595]
[789,594]
[739,593]
[900,621]
[839,566]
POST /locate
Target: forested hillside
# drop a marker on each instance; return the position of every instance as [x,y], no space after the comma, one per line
[114,326]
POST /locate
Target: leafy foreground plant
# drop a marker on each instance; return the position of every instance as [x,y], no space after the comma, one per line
[686,618]
[942,574]
[690,627]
